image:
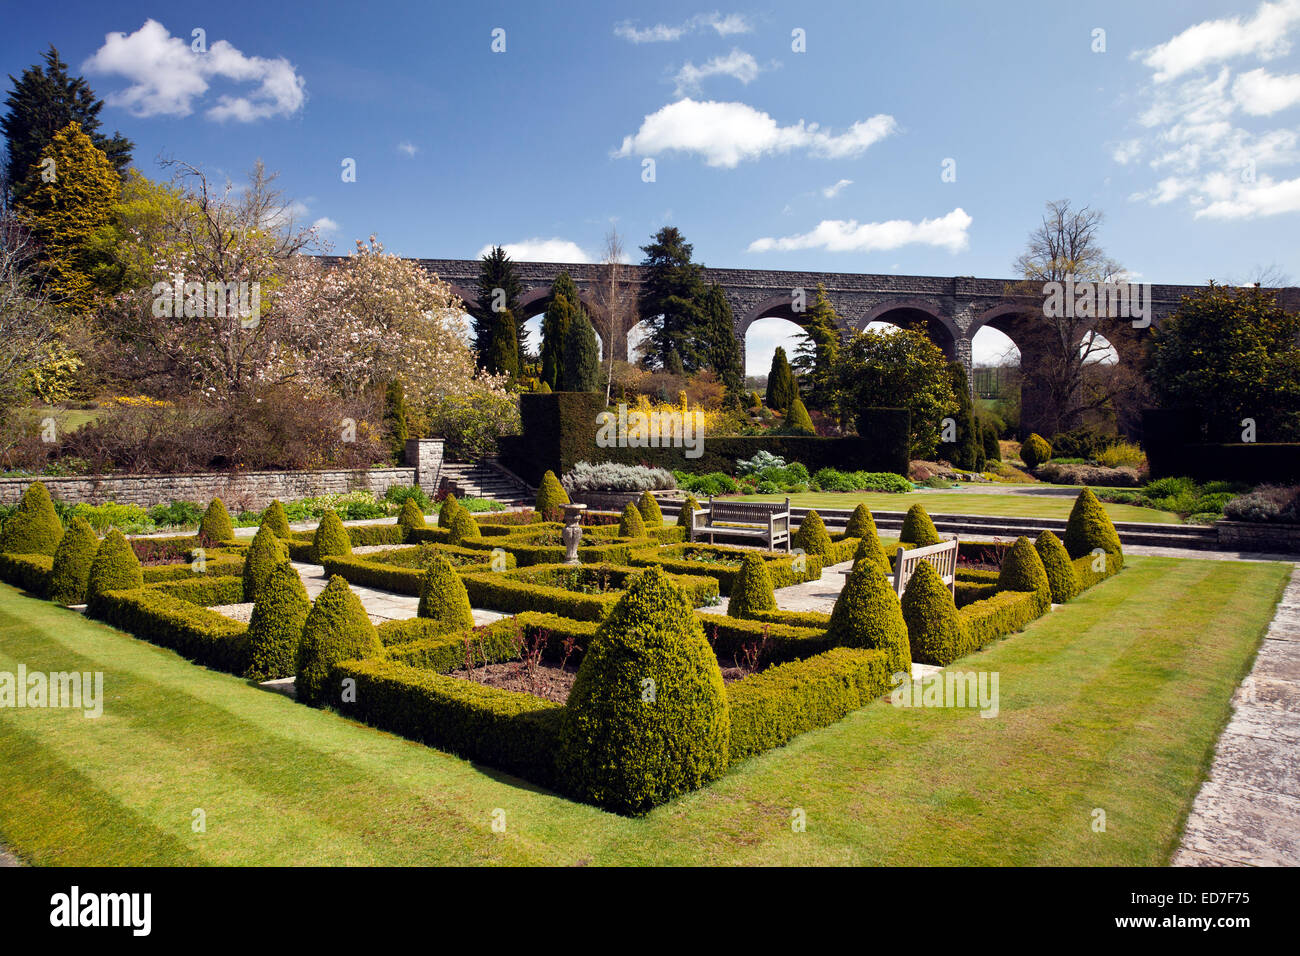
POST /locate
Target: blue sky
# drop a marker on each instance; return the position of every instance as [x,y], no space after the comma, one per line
[1183,131]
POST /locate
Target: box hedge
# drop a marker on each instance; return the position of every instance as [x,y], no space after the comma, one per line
[114,568]
[651,514]
[197,633]
[704,558]
[918,530]
[70,569]
[215,525]
[812,536]
[752,590]
[518,733]
[330,538]
[266,552]
[410,518]
[34,528]
[935,630]
[772,707]
[1056,563]
[647,717]
[443,599]
[337,630]
[862,523]
[1090,527]
[447,511]
[31,572]
[275,629]
[551,498]
[867,614]
[275,519]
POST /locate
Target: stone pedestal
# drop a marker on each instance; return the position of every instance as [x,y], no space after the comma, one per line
[425,456]
[572,534]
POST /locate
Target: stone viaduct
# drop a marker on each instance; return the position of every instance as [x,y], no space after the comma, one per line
[950,309]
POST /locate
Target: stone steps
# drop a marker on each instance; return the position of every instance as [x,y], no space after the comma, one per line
[485,479]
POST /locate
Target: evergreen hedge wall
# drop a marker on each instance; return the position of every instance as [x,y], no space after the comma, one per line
[559,430]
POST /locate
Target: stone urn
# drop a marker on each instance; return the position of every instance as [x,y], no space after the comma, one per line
[572,534]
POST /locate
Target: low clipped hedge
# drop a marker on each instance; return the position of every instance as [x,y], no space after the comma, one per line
[780,566]
[518,733]
[778,642]
[365,571]
[525,590]
[996,617]
[197,633]
[811,619]
[420,642]
[770,708]
[219,565]
[1087,574]
[31,572]
[527,552]
[204,590]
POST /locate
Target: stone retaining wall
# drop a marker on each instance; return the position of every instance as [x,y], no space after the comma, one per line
[250,491]
[1258,536]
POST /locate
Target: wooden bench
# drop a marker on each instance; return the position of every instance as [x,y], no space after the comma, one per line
[744,519]
[943,556]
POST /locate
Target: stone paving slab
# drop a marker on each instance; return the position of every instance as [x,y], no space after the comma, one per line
[1225,818]
[1248,812]
[1265,722]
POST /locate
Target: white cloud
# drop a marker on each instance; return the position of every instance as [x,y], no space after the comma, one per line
[1213,41]
[737,64]
[724,26]
[167,76]
[1249,201]
[325,225]
[830,192]
[839,235]
[725,134]
[541,250]
[1261,93]
[1197,136]
[410,149]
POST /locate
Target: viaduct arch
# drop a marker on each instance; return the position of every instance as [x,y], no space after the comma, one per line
[950,309]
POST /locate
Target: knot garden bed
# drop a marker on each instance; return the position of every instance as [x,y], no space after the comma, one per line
[648,716]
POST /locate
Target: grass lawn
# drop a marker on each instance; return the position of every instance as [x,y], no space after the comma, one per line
[966,502]
[70,419]
[1114,701]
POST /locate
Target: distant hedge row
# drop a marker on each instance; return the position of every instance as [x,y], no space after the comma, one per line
[1175,446]
[559,430]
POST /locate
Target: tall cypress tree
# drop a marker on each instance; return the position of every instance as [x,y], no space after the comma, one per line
[44,100]
[781,391]
[581,356]
[395,418]
[671,291]
[502,355]
[496,271]
[815,356]
[555,326]
[967,452]
[718,339]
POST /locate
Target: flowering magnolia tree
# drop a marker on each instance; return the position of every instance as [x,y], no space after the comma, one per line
[224,300]
[207,316]
[354,325]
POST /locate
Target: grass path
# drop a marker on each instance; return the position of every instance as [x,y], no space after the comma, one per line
[1112,702]
[966,502]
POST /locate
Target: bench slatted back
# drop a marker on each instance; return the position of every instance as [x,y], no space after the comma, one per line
[943,556]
